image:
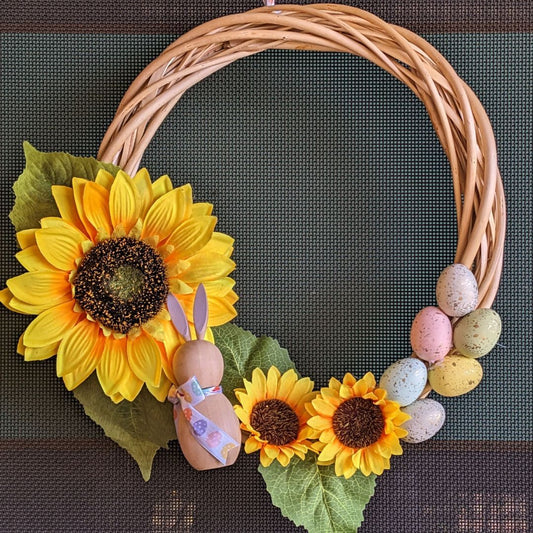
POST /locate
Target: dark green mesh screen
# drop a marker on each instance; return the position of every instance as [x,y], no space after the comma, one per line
[330,177]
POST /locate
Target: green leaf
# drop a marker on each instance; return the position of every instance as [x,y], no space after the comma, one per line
[33,188]
[141,427]
[314,497]
[242,352]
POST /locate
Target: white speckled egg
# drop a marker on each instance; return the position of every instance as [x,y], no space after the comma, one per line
[457,290]
[427,417]
[431,334]
[455,375]
[476,334]
[404,380]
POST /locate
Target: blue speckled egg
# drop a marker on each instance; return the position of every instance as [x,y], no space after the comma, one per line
[427,417]
[404,380]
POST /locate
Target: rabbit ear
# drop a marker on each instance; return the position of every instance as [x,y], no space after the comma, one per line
[178,317]
[200,312]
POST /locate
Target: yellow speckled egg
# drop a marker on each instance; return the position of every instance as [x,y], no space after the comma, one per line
[455,375]
[476,334]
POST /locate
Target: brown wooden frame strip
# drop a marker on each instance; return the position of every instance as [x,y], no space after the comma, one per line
[161,16]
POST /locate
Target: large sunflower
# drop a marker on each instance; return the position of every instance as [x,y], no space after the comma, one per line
[99,275]
[273,411]
[357,427]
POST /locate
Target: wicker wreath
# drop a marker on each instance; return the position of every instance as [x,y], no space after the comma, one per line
[458,117]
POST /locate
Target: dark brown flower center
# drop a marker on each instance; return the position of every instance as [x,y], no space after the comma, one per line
[275,421]
[357,423]
[121,283]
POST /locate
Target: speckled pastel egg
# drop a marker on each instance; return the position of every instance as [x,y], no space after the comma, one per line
[476,334]
[455,375]
[457,290]
[431,334]
[427,417]
[404,380]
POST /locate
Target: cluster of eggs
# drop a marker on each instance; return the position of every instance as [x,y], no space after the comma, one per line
[447,341]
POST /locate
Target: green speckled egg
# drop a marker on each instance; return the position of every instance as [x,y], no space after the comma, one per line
[455,375]
[476,333]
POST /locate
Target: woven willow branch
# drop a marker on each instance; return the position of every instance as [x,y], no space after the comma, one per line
[457,115]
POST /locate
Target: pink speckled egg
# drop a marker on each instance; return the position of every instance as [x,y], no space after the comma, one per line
[431,334]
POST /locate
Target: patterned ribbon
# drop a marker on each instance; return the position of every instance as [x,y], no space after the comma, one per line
[216,441]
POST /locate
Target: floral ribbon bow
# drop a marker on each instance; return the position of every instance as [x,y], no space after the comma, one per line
[216,441]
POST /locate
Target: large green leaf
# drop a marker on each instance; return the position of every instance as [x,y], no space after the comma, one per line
[141,427]
[314,497]
[242,352]
[33,188]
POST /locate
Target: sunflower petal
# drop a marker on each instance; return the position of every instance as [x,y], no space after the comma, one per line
[64,198]
[168,212]
[176,268]
[176,286]
[51,326]
[207,266]
[324,408]
[344,465]
[160,393]
[144,359]
[78,186]
[258,385]
[129,388]
[370,380]
[104,178]
[271,450]
[18,306]
[243,414]
[264,458]
[219,287]
[161,186]
[32,259]
[282,458]
[330,451]
[39,354]
[5,298]
[286,384]
[201,209]
[46,288]
[144,186]
[155,329]
[374,462]
[60,246]
[191,236]
[273,376]
[220,243]
[301,388]
[77,348]
[96,207]
[116,398]
[113,365]
[82,371]
[319,422]
[26,237]
[252,445]
[124,202]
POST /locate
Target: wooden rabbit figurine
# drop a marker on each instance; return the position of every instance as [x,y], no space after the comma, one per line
[207,426]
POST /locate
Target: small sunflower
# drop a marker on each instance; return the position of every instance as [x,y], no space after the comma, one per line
[273,411]
[357,427]
[99,275]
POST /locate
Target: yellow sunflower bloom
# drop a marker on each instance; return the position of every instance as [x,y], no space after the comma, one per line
[272,410]
[99,275]
[357,427]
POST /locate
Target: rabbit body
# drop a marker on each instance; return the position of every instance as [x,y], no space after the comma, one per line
[203,360]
